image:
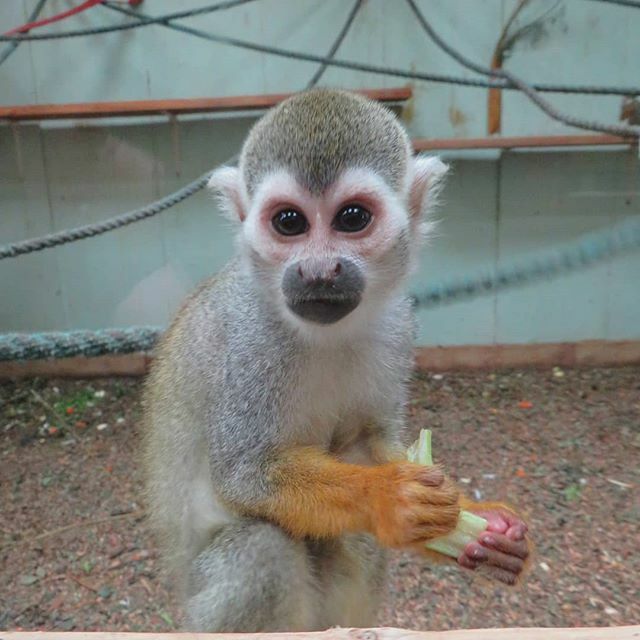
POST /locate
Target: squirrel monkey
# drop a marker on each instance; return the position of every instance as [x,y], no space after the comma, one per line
[274,411]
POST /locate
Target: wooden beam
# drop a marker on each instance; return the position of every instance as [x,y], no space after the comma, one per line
[580,633]
[136,108]
[172,107]
[589,353]
[131,364]
[520,142]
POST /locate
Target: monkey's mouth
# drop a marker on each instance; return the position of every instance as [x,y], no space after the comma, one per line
[325,309]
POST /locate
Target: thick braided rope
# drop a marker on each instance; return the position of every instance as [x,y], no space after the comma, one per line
[66,344]
[88,231]
[91,230]
[593,248]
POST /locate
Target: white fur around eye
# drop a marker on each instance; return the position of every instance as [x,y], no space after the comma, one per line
[365,181]
[282,186]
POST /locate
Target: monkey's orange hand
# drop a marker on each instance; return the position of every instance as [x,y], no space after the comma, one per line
[502,548]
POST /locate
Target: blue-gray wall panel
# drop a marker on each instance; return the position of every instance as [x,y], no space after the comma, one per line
[496,208]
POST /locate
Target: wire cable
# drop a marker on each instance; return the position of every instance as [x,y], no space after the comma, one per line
[381,70]
[143,20]
[525,87]
[336,45]
[622,3]
[33,24]
[89,231]
[12,46]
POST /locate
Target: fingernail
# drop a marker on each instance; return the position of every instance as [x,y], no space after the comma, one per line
[488,540]
[479,554]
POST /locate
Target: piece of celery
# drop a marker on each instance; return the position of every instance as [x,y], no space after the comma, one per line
[469,526]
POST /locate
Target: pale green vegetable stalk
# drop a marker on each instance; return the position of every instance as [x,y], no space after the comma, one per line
[469,526]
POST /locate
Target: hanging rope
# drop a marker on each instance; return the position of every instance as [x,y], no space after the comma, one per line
[165,20]
[12,46]
[525,87]
[588,251]
[377,69]
[591,249]
[142,22]
[90,230]
[34,24]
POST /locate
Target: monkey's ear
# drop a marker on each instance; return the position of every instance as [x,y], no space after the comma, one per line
[426,175]
[225,183]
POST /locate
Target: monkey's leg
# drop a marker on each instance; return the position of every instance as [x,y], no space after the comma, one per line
[351,573]
[251,578]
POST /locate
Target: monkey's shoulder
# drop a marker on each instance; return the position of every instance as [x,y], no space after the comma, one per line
[220,319]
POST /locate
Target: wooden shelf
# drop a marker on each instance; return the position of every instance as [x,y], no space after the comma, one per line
[395,96]
[519,142]
[172,107]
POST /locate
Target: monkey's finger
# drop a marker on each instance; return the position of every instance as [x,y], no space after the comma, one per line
[505,521]
[435,528]
[517,531]
[426,476]
[468,563]
[506,562]
[506,545]
[506,577]
[494,558]
[435,497]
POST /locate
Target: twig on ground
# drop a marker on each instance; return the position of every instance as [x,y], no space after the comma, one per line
[70,527]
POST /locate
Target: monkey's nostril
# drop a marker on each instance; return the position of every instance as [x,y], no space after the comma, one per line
[300,271]
[337,269]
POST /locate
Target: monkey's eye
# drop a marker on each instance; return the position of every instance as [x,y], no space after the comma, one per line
[289,222]
[351,219]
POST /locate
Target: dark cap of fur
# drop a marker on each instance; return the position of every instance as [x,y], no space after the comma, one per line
[319,133]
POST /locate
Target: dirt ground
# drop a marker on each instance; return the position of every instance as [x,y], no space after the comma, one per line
[76,553]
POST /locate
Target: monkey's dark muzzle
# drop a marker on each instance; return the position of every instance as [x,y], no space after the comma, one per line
[323,291]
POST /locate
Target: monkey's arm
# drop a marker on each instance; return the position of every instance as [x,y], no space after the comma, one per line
[310,493]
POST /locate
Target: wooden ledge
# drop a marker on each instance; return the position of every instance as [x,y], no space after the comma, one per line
[586,353]
[581,633]
[589,353]
[520,142]
[172,107]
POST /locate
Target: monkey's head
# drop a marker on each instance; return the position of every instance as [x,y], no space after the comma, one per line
[331,203]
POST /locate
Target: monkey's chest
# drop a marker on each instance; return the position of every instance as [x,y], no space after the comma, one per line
[337,403]
[352,443]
